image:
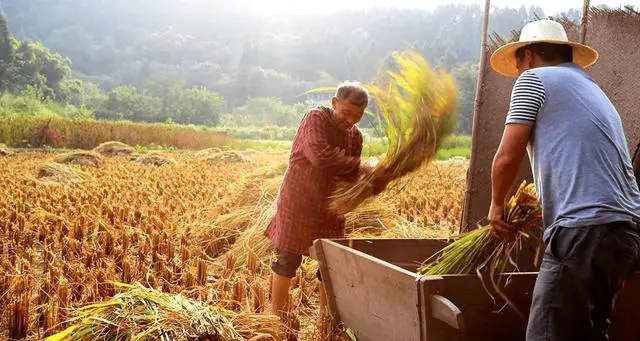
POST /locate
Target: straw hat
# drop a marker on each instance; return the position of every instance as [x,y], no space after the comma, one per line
[503,59]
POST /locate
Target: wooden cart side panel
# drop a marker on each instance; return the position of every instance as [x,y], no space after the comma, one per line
[481,321]
[318,253]
[433,329]
[404,253]
[626,312]
[377,300]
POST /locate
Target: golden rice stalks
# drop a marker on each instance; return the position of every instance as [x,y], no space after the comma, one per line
[146,314]
[419,106]
[482,253]
[252,241]
[369,220]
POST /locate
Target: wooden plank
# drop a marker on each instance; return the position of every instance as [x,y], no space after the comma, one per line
[405,253]
[467,290]
[332,307]
[483,323]
[377,300]
[626,311]
[410,253]
[432,328]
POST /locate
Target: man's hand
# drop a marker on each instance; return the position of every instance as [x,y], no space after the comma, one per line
[500,228]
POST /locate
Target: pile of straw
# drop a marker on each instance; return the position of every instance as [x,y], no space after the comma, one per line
[482,253]
[146,314]
[227,157]
[4,150]
[58,173]
[114,148]
[154,159]
[208,151]
[83,158]
[419,106]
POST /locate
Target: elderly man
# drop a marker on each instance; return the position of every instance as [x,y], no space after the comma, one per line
[584,177]
[326,149]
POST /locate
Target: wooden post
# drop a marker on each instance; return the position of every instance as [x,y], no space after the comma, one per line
[585,20]
[484,50]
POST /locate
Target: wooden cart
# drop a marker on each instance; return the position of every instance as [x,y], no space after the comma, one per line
[372,288]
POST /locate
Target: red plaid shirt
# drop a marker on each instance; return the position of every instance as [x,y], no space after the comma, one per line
[321,154]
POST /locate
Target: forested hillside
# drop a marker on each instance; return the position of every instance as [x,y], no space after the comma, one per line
[206,62]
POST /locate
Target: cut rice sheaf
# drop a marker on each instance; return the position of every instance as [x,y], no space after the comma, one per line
[419,106]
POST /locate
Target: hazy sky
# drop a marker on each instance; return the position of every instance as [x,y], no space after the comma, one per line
[300,6]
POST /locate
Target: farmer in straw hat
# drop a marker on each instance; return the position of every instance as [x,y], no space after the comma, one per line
[326,149]
[582,171]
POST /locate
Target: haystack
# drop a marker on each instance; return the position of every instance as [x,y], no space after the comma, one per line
[227,157]
[83,158]
[155,159]
[114,148]
[59,173]
[4,150]
[208,151]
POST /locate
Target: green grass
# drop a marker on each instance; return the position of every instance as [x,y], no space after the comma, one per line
[456,146]
[262,145]
[446,154]
[459,145]
[458,141]
[155,148]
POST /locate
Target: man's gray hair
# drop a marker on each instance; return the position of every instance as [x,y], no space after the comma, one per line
[354,92]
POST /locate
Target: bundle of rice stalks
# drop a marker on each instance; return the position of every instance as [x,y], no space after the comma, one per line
[114,148]
[82,158]
[253,241]
[405,228]
[154,159]
[272,170]
[419,105]
[227,157]
[368,220]
[208,151]
[482,253]
[4,150]
[146,314]
[58,173]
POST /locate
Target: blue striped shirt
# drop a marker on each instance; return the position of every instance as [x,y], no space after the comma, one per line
[527,98]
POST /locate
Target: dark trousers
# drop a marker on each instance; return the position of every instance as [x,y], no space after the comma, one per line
[581,272]
[287,263]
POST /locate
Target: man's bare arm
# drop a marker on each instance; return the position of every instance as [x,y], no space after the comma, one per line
[507,160]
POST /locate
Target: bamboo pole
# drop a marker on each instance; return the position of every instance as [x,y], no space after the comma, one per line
[484,50]
[585,19]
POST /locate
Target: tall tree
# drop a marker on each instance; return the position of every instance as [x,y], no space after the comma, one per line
[6,51]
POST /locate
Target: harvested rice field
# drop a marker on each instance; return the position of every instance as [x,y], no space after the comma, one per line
[82,239]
